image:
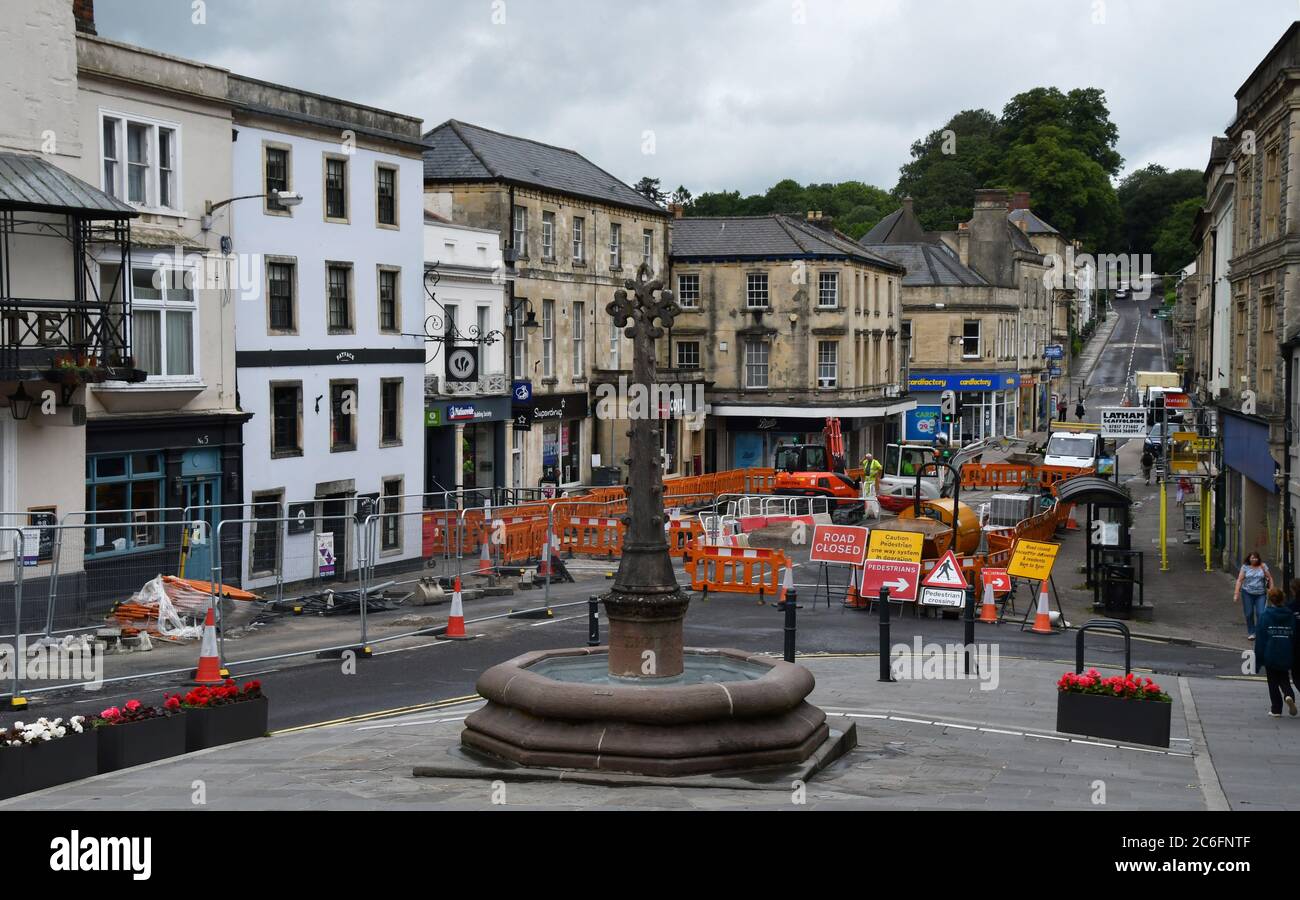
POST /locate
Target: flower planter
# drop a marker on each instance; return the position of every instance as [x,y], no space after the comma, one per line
[137,743]
[215,725]
[48,763]
[1096,715]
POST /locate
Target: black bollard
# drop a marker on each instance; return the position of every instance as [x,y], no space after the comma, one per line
[884,635]
[969,616]
[593,622]
[791,604]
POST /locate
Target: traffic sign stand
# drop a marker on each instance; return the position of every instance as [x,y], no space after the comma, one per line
[1033,604]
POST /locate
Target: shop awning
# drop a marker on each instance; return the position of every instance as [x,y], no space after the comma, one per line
[816,412]
[31,183]
[1245,449]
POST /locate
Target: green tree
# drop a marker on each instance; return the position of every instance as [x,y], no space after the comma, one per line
[1068,189]
[948,165]
[1173,248]
[1147,196]
[649,188]
[1080,119]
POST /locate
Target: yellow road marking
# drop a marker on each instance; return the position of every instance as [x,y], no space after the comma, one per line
[383,713]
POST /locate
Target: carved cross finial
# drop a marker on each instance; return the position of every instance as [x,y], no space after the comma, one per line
[643,309]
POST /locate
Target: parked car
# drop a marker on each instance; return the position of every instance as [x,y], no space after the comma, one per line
[1155,439]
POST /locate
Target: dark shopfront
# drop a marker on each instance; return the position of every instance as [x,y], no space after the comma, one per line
[752,441]
[142,473]
[559,418]
[479,425]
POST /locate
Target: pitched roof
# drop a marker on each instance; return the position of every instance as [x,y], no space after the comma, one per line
[930,264]
[1033,224]
[32,183]
[458,152]
[899,227]
[773,236]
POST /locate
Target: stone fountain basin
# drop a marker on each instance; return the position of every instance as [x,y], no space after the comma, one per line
[729,711]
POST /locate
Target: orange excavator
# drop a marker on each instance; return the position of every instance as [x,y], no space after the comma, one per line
[817,470]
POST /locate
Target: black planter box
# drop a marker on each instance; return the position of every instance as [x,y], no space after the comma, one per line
[137,743]
[1096,715]
[38,766]
[226,724]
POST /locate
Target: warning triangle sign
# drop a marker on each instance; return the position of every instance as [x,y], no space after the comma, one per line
[947,574]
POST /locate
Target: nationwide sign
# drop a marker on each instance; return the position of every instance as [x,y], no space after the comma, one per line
[843,544]
[900,577]
[1123,422]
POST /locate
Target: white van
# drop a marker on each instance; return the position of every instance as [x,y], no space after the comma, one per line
[1077,449]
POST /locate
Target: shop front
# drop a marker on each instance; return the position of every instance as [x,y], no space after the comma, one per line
[989,401]
[465,444]
[749,440]
[1249,515]
[559,434]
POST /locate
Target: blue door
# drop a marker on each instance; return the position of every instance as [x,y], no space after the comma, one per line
[203,498]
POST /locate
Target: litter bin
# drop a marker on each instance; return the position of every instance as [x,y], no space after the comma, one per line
[1117,590]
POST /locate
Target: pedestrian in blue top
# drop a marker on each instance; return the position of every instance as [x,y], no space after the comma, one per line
[1275,635]
[1254,581]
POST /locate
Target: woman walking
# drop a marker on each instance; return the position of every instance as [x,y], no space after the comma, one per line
[1254,581]
[1273,655]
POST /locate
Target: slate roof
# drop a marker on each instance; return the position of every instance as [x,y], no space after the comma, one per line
[899,227]
[460,152]
[1033,223]
[930,264]
[32,183]
[773,236]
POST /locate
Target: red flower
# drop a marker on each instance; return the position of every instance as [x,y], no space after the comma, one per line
[132,705]
[173,702]
[111,713]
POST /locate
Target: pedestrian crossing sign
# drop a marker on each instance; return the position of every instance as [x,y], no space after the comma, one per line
[946,574]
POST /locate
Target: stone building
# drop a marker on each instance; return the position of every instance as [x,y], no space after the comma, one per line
[1259,451]
[975,309]
[1211,364]
[791,323]
[574,234]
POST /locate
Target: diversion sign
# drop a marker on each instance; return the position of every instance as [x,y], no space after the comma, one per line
[1123,422]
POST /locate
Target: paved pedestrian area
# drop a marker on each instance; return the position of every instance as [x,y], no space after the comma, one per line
[923,744]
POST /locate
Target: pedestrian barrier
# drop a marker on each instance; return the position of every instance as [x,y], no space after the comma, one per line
[997,476]
[741,570]
[683,536]
[590,535]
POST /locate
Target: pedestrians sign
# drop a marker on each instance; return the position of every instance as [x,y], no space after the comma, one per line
[1032,559]
[1123,422]
[943,597]
[947,574]
[844,544]
[998,579]
[900,577]
[901,546]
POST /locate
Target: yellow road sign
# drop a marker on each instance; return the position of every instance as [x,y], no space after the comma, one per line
[897,546]
[1032,559]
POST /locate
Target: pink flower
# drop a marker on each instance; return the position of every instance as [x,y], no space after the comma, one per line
[132,705]
[111,713]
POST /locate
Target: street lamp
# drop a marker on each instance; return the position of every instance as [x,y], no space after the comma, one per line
[286,199]
[20,405]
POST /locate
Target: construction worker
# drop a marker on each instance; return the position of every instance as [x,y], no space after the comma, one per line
[871,468]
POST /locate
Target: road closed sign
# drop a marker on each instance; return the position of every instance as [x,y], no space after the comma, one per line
[1123,422]
[901,546]
[843,544]
[1032,559]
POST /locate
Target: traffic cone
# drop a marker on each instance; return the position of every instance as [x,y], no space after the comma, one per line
[1070,524]
[852,599]
[456,618]
[484,561]
[989,611]
[787,585]
[1043,618]
[544,567]
[209,670]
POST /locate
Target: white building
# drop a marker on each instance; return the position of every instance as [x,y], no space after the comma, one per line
[328,353]
[468,422]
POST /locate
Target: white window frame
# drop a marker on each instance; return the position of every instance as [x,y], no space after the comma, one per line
[163,306]
[548,236]
[828,363]
[648,245]
[823,278]
[681,298]
[548,338]
[519,231]
[119,188]
[979,338]
[680,363]
[615,245]
[753,349]
[578,361]
[751,290]
[579,239]
[615,346]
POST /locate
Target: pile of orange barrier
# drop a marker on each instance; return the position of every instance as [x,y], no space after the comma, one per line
[740,570]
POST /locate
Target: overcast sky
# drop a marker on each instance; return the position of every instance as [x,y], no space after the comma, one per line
[737,95]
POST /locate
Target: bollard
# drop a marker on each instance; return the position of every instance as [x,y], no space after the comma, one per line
[791,604]
[969,625]
[885,674]
[593,621]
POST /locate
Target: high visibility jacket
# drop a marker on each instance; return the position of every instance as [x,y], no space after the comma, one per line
[873,469]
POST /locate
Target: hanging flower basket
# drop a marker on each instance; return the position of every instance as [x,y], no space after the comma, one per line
[223,715]
[46,753]
[136,734]
[1122,708]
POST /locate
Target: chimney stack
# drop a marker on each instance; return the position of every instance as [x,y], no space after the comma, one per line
[676,209]
[1020,200]
[83,13]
